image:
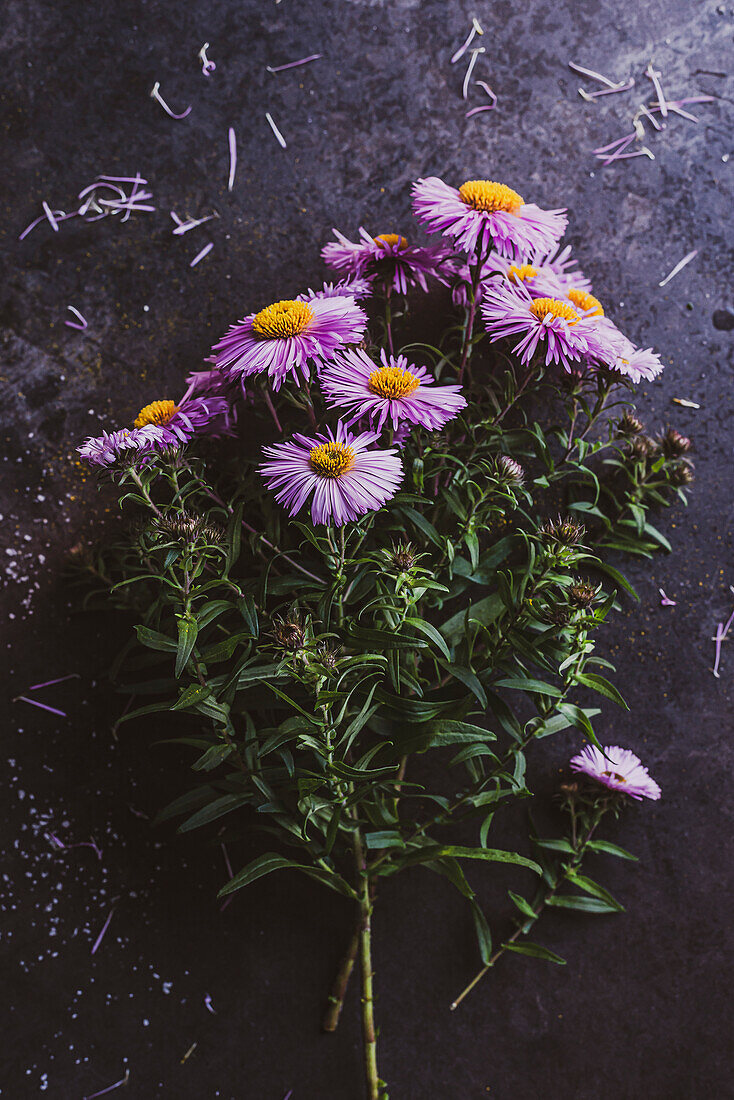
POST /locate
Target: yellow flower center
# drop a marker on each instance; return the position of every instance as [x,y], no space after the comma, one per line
[582,300]
[392,382]
[392,240]
[488,196]
[521,273]
[158,412]
[615,775]
[551,307]
[331,459]
[282,319]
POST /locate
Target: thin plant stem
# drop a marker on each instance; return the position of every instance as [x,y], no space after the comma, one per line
[341,982]
[271,409]
[148,499]
[369,1036]
[388,320]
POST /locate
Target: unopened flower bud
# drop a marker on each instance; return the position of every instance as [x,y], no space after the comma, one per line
[682,474]
[289,633]
[403,556]
[581,594]
[641,446]
[509,470]
[563,530]
[629,425]
[674,444]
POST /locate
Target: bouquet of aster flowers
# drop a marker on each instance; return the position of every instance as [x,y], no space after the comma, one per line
[406,554]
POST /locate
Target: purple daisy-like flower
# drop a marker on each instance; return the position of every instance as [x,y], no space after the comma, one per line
[286,337]
[357,288]
[344,478]
[618,769]
[389,257]
[124,447]
[396,390]
[483,214]
[570,338]
[180,421]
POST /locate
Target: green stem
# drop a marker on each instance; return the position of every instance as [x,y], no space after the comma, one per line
[369,1037]
[388,320]
[143,489]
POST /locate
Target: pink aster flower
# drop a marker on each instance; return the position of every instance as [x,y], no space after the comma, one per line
[287,337]
[482,215]
[178,422]
[344,478]
[618,769]
[571,339]
[396,390]
[124,447]
[389,257]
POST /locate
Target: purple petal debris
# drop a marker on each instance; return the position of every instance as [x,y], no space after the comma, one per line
[475,29]
[42,706]
[207,66]
[278,136]
[589,96]
[155,94]
[288,1095]
[50,216]
[200,255]
[105,926]
[593,75]
[654,76]
[81,844]
[470,69]
[95,203]
[678,267]
[294,64]
[232,158]
[665,601]
[721,633]
[189,1052]
[685,403]
[486,107]
[123,1081]
[208,1004]
[184,227]
[82,322]
[58,680]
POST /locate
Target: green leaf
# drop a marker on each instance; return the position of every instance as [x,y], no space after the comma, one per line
[522,683]
[524,906]
[484,935]
[248,611]
[536,951]
[187,633]
[270,862]
[387,838]
[468,679]
[430,632]
[581,904]
[442,731]
[602,685]
[484,612]
[555,845]
[152,639]
[378,640]
[610,849]
[218,808]
[194,693]
[491,855]
[590,887]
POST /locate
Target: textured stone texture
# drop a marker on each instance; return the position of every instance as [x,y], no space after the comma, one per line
[642,1009]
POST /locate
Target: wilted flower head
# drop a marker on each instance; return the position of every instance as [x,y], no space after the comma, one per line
[558,616]
[283,339]
[388,257]
[509,470]
[674,444]
[581,594]
[483,214]
[563,530]
[629,425]
[339,471]
[393,390]
[641,446]
[123,447]
[618,769]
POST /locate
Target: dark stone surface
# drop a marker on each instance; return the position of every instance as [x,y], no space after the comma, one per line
[643,1007]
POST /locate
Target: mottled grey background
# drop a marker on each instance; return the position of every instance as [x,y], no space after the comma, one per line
[642,1009]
